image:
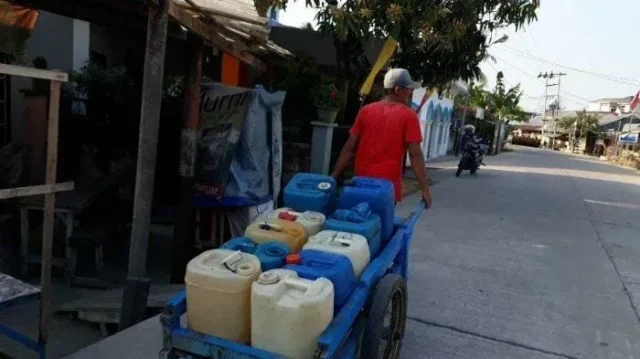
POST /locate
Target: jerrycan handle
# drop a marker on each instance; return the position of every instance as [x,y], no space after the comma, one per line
[270,227]
[347,242]
[309,289]
[229,257]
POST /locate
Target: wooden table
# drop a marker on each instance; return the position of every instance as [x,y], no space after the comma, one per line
[67,206]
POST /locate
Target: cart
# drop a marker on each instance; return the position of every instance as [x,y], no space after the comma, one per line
[372,321]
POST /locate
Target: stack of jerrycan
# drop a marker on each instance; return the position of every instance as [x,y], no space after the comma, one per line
[358,220]
[312,264]
[380,196]
[289,233]
[288,313]
[312,221]
[271,254]
[351,245]
[218,285]
[311,192]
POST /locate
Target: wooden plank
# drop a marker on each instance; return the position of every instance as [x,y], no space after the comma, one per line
[34,73]
[35,190]
[49,210]
[148,137]
[134,302]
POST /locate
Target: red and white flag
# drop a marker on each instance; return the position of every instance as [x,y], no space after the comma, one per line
[635,102]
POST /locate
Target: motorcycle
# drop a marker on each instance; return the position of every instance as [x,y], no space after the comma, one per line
[472,157]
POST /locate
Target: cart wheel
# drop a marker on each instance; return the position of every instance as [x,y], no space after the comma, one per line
[385,326]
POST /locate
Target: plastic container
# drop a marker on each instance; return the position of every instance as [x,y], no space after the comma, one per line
[380,195]
[272,229]
[311,192]
[313,264]
[288,314]
[370,229]
[243,244]
[218,285]
[353,246]
[272,255]
[312,221]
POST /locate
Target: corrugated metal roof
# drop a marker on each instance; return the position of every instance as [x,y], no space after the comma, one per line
[233,25]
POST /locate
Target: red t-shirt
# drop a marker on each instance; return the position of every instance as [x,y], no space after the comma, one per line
[385,129]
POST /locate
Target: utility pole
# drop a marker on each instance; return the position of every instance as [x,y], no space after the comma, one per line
[547,76]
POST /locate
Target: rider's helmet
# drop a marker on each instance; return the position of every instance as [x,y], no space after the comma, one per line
[469,129]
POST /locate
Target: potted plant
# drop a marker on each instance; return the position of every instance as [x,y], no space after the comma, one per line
[327,99]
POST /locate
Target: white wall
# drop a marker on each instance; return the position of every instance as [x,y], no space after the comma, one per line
[64,43]
[431,131]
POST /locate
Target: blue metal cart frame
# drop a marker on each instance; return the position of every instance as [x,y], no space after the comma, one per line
[347,327]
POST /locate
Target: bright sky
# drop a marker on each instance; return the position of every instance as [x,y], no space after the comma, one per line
[571,36]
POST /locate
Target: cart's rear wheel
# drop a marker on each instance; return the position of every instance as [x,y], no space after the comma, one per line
[385,326]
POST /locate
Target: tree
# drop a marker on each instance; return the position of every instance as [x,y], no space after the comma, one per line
[580,125]
[503,103]
[439,41]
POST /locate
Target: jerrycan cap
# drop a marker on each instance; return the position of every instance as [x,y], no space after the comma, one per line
[312,216]
[268,278]
[293,259]
[324,186]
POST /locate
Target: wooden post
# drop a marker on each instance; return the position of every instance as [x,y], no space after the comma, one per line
[135,296]
[191,118]
[148,137]
[49,209]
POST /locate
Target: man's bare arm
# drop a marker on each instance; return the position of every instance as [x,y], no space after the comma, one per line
[347,153]
[420,170]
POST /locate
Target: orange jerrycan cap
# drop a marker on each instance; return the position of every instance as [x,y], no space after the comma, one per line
[294,259]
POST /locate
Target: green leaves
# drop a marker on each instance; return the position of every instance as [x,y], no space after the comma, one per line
[582,123]
[503,103]
[440,40]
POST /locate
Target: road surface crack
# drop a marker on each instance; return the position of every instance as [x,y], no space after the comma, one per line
[600,241]
[489,338]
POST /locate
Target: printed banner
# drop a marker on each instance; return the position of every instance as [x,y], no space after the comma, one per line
[223,112]
[629,138]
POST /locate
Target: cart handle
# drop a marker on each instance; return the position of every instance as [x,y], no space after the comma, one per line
[411,220]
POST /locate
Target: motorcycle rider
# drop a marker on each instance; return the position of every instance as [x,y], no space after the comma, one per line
[468,138]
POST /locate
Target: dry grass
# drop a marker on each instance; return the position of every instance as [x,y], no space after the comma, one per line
[627,159]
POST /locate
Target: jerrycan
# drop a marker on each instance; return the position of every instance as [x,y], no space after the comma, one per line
[311,192]
[378,193]
[218,286]
[312,264]
[273,229]
[351,245]
[288,313]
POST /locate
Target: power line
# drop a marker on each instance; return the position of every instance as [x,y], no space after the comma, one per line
[616,79]
[591,73]
[537,79]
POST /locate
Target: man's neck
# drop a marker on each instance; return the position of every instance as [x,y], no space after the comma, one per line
[393,99]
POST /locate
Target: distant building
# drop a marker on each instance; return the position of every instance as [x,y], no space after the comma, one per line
[608,105]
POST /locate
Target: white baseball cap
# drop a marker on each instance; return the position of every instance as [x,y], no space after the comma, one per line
[399,78]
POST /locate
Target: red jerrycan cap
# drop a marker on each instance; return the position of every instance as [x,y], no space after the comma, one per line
[293,259]
[287,216]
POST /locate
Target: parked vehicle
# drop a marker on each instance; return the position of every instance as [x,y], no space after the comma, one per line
[472,156]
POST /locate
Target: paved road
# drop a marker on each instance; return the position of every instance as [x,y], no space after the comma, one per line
[538,257]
